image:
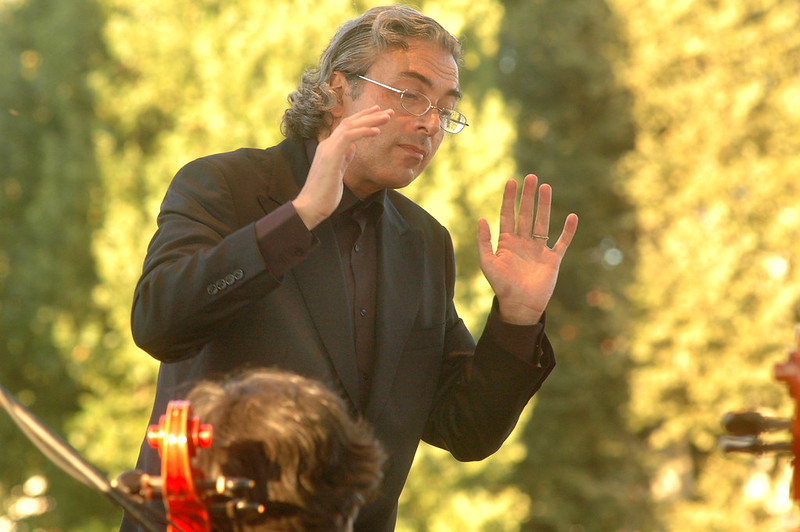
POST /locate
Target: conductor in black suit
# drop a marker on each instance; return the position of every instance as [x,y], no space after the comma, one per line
[304,256]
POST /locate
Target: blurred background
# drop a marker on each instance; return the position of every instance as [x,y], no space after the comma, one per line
[671,128]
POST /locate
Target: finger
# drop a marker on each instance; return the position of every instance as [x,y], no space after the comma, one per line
[359,125]
[365,123]
[507,222]
[349,154]
[526,204]
[371,116]
[542,224]
[484,240]
[564,240]
[364,112]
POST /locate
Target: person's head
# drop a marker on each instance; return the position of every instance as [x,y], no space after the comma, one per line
[395,46]
[313,465]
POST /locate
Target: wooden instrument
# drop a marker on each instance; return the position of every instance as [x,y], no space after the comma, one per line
[191,501]
[177,437]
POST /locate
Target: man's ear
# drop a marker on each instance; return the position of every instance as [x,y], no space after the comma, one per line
[340,87]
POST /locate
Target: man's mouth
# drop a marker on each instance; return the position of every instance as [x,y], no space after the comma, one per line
[416,151]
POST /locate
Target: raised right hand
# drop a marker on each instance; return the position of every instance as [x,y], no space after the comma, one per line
[322,191]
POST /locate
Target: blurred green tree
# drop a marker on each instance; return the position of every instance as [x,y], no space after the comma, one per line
[716,284]
[558,62]
[50,195]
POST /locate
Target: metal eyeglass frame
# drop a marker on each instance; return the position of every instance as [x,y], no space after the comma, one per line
[446,116]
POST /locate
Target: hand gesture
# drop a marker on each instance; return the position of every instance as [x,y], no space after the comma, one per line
[523,270]
[323,189]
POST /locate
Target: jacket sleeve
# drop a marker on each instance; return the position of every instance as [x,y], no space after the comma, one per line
[483,389]
[203,266]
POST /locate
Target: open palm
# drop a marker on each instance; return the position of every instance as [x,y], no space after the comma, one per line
[523,270]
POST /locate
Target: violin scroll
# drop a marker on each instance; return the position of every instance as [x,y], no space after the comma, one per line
[177,438]
[190,499]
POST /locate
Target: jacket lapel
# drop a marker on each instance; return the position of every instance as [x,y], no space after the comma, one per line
[400,268]
[321,281]
[319,277]
[285,169]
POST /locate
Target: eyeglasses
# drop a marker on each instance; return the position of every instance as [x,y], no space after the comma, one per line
[418,104]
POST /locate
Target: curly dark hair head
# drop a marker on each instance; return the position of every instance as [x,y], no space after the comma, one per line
[296,439]
[352,51]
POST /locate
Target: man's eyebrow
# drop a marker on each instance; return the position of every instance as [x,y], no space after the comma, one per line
[428,83]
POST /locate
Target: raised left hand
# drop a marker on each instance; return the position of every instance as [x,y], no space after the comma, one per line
[523,270]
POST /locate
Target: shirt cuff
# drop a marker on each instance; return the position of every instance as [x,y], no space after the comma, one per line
[283,239]
[523,341]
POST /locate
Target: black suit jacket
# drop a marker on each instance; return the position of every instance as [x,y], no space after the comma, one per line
[206,305]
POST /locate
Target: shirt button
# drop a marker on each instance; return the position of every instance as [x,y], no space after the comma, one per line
[363,312]
[357,248]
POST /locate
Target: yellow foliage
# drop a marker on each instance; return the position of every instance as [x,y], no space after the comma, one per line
[713,179]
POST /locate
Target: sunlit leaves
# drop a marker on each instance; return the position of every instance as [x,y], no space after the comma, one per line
[714,181]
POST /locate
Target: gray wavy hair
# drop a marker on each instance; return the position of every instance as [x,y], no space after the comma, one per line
[352,51]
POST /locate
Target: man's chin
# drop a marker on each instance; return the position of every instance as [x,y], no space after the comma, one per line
[404,181]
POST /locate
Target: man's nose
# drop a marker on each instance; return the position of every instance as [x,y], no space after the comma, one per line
[429,121]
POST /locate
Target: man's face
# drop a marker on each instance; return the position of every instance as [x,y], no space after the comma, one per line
[406,144]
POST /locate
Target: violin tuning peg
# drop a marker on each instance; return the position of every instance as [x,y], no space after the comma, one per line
[752,445]
[137,483]
[233,485]
[129,482]
[740,444]
[752,423]
[248,510]
[237,509]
